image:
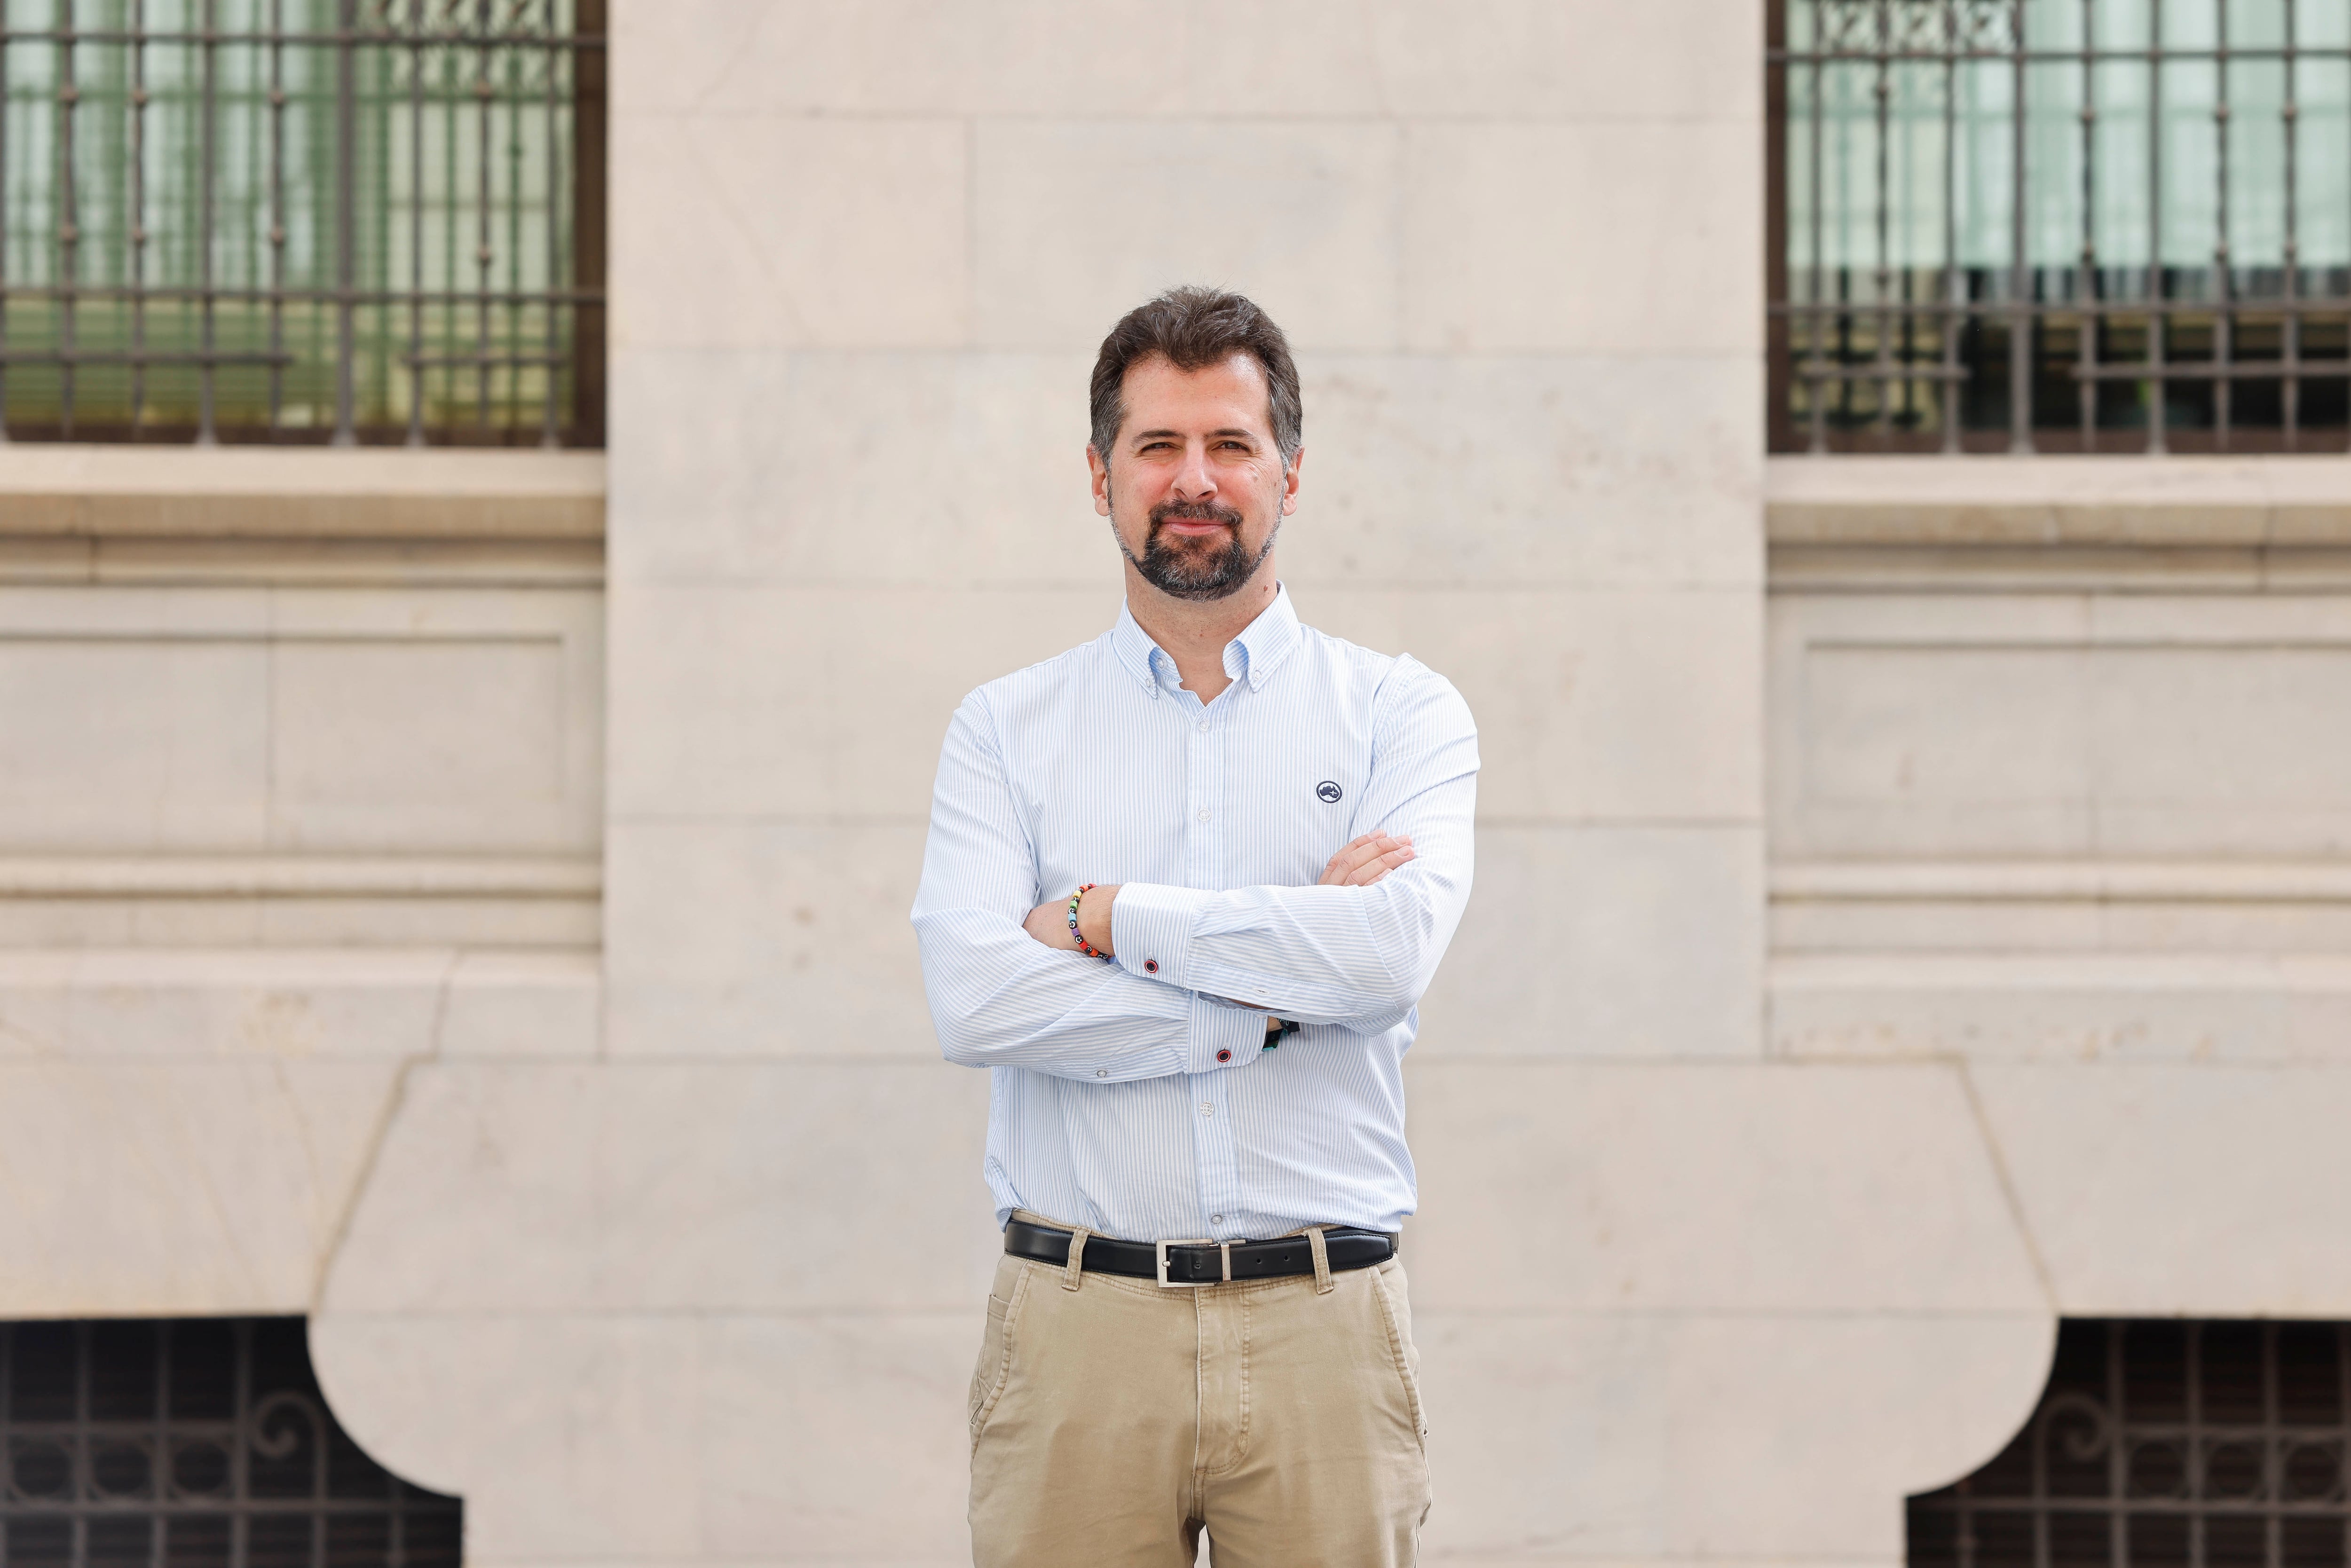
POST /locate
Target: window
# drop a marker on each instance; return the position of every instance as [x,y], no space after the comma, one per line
[193,1443]
[2164,1444]
[302,220]
[2101,225]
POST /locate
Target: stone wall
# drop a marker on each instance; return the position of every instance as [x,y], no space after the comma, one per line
[597,1118]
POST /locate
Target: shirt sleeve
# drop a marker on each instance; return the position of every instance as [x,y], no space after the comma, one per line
[1358,956]
[1001,998]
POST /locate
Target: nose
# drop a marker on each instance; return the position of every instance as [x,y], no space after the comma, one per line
[1193,481]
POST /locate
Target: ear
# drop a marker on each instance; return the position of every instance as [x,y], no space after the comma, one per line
[1099,468]
[1290,482]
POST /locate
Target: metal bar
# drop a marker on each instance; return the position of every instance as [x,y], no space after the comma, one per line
[2272,1452]
[4,303]
[346,225]
[2241,371]
[68,208]
[2117,1450]
[548,436]
[80,1485]
[2196,1455]
[2085,285]
[2155,284]
[458,37]
[2342,1415]
[138,257]
[1989,57]
[277,216]
[2335,308]
[483,254]
[207,388]
[467,296]
[2224,275]
[7,1369]
[142,357]
[1818,410]
[2291,113]
[240,1459]
[2020,323]
[416,234]
[1882,90]
[159,1537]
[1952,375]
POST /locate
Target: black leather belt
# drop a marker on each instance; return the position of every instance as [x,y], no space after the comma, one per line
[1180,1263]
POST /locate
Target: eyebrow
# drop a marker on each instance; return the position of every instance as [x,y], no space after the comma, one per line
[1229,430]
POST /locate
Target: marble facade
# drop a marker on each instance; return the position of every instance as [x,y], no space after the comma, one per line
[463,898]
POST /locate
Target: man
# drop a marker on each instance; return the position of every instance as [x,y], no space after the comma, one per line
[1253,844]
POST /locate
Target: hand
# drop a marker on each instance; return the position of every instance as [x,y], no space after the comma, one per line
[1050,922]
[1364,861]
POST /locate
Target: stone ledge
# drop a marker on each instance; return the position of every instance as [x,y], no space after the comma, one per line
[2103,881]
[299,876]
[2182,1008]
[65,491]
[2301,502]
[339,1003]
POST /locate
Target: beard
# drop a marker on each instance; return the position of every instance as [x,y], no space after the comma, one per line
[1199,570]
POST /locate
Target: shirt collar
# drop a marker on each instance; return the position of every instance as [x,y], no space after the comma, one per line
[1254,655]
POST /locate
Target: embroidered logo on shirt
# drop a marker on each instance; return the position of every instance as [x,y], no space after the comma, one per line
[1328,791]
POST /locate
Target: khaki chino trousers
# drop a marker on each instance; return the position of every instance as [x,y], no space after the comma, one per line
[1113,1421]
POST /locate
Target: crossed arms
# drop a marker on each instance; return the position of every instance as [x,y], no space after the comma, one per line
[1195,973]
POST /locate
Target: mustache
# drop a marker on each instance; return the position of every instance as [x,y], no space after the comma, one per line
[1194,512]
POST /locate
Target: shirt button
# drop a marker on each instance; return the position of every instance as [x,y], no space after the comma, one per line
[1101,1073]
[1207,1110]
[1203,727]
[1216,1219]
[1224,1056]
[1204,813]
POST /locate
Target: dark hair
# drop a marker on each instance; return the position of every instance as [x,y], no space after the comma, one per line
[1196,327]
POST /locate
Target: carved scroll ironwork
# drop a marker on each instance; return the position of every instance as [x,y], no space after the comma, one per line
[2164,1444]
[2078,225]
[302,220]
[198,1443]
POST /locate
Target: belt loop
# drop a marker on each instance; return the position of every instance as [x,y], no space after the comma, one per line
[1322,1280]
[1072,1272]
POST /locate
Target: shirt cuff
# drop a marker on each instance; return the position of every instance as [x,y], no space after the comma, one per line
[1223,1035]
[1151,930]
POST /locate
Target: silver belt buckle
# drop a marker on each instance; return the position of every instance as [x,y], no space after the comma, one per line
[1159,1248]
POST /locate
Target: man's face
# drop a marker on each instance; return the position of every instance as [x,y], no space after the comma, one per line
[1193,487]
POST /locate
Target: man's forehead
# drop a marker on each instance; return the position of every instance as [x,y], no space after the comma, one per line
[1233,386]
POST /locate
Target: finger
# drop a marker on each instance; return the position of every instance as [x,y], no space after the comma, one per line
[1336,870]
[1372,871]
[1346,862]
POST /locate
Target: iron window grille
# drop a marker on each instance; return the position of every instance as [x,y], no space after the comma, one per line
[302,220]
[2074,226]
[199,1443]
[2164,1444]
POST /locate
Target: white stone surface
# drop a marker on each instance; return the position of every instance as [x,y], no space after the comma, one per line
[1582,238]
[1696,1186]
[2064,1006]
[1626,705]
[1642,1438]
[2163,1190]
[767,937]
[1057,206]
[707,1187]
[160,1187]
[1642,939]
[764,229]
[1666,59]
[2060,724]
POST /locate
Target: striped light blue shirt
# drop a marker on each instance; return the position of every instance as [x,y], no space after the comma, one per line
[1135,1098]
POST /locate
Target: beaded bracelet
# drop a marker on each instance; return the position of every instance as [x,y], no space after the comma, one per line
[1088,949]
